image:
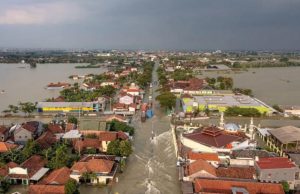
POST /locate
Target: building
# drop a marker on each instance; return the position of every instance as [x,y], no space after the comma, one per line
[4,133]
[278,169]
[103,169]
[193,86]
[7,147]
[82,145]
[53,183]
[222,102]
[213,139]
[95,106]
[27,131]
[211,158]
[32,170]
[284,139]
[58,85]
[107,137]
[217,186]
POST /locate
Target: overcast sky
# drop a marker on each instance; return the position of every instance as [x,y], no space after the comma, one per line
[151,24]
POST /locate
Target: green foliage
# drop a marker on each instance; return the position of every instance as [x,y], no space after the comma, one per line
[71,187]
[221,83]
[122,165]
[125,148]
[166,99]
[144,79]
[31,148]
[27,107]
[119,148]
[91,151]
[286,186]
[116,125]
[75,94]
[4,185]
[60,158]
[247,92]
[91,136]
[276,107]
[179,74]
[247,112]
[72,119]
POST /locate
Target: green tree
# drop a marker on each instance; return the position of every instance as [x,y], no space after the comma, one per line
[72,119]
[116,125]
[166,100]
[27,107]
[71,187]
[60,158]
[31,148]
[125,148]
[286,186]
[113,148]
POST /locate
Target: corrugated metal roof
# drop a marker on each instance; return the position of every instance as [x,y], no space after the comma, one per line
[39,174]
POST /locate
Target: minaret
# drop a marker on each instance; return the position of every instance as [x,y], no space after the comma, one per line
[222,121]
[251,128]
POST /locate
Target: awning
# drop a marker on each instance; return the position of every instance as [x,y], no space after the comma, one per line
[39,174]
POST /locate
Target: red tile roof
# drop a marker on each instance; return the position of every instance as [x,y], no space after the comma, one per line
[46,140]
[94,165]
[5,147]
[46,189]
[57,177]
[34,164]
[70,126]
[225,187]
[107,136]
[212,136]
[236,172]
[275,162]
[4,169]
[55,128]
[204,156]
[79,145]
[200,165]
[3,129]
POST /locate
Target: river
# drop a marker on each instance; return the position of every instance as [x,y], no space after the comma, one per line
[276,85]
[21,83]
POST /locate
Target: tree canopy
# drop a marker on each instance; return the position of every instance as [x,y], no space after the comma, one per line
[166,99]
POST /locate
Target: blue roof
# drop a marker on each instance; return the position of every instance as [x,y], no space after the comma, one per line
[231,127]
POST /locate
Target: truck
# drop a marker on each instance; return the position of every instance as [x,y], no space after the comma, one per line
[144,109]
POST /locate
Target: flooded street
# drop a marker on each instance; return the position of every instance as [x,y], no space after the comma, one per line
[151,169]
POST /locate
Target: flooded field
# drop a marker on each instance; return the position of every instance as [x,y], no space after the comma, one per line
[21,83]
[272,85]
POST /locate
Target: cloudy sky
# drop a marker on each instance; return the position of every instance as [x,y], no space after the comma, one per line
[151,24]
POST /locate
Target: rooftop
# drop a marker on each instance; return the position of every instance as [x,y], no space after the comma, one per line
[58,177]
[286,134]
[213,136]
[226,186]
[274,163]
[204,156]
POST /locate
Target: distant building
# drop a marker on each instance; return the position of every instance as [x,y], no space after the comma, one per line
[277,169]
[95,106]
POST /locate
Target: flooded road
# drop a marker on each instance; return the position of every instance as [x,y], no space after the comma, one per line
[151,169]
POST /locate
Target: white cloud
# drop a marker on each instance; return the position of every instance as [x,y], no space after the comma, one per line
[43,13]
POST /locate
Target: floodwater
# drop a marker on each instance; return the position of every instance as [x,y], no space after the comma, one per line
[21,83]
[151,169]
[278,85]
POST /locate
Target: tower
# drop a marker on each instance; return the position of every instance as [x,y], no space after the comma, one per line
[222,121]
[251,128]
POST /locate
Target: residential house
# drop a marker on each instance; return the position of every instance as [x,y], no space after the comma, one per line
[107,137]
[103,169]
[6,147]
[4,170]
[32,170]
[53,183]
[57,130]
[217,186]
[4,133]
[27,131]
[211,158]
[199,168]
[82,145]
[277,169]
[126,99]
[46,140]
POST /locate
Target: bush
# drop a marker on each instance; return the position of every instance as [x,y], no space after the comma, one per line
[246,112]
